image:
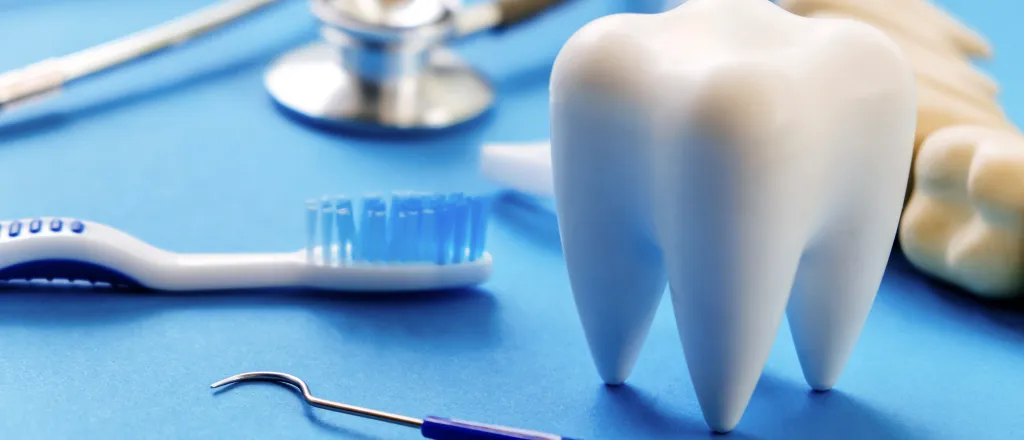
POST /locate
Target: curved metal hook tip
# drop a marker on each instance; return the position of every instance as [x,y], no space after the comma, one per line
[264,375]
[318,402]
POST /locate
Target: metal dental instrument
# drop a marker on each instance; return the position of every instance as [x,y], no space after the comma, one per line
[382,64]
[431,427]
[43,78]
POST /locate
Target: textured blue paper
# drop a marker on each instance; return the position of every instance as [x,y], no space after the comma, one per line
[186,151]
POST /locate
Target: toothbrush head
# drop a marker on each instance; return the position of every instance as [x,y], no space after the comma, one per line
[405,242]
[405,228]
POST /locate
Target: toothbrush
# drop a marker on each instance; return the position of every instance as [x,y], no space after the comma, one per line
[419,242]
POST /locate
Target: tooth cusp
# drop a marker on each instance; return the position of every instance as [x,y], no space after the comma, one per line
[996,185]
[943,163]
[601,57]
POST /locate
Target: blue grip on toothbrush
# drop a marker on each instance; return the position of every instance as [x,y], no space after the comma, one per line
[439,428]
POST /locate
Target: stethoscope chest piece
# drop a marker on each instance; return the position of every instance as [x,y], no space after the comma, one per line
[381,65]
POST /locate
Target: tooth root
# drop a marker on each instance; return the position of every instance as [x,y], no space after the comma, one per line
[617,280]
[730,269]
[834,289]
[615,268]
[617,288]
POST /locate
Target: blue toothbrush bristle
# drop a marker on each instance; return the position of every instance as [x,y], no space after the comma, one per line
[346,223]
[444,231]
[427,231]
[374,243]
[410,247]
[478,213]
[408,228]
[460,223]
[327,229]
[311,222]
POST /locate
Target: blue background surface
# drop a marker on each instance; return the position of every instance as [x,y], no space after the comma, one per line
[185,151]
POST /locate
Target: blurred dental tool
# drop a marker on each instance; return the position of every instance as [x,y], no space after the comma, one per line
[44,78]
[382,65]
[437,428]
[523,167]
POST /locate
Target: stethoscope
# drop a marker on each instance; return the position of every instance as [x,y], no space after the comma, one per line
[381,64]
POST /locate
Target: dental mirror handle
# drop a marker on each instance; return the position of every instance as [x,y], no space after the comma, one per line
[439,428]
[41,79]
[499,15]
[516,11]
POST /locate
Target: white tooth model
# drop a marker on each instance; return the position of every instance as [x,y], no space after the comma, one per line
[964,222]
[754,160]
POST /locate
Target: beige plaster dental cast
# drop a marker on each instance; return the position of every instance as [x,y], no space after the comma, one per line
[955,75]
[964,221]
[919,20]
[758,170]
[951,90]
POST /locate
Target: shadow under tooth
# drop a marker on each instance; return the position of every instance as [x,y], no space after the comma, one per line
[460,223]
[346,225]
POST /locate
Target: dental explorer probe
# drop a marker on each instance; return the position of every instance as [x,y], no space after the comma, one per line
[48,76]
[436,428]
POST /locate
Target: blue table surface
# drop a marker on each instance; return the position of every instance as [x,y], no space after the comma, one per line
[186,151]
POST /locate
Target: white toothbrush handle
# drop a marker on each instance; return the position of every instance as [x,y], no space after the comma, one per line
[292,270]
[231,271]
[66,248]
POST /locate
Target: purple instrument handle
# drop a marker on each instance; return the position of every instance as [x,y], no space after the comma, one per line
[439,428]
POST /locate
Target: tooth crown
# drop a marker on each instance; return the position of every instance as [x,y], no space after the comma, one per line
[753,160]
[964,221]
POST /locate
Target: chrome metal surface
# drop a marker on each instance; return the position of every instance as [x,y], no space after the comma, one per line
[288,379]
[385,87]
[390,14]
